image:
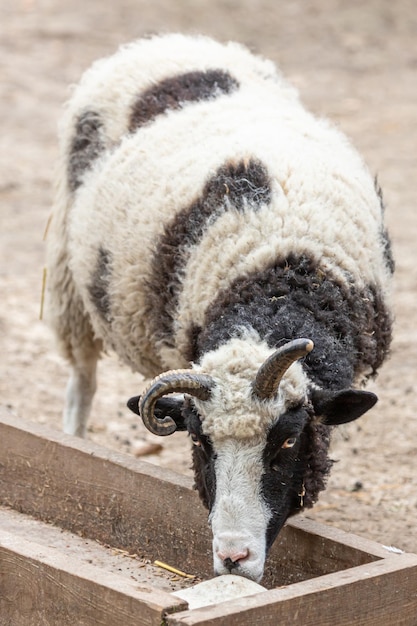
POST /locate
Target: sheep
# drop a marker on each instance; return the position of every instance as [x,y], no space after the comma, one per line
[230,246]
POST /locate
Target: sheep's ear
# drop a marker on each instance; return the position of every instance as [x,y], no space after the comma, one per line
[341,407]
[164,406]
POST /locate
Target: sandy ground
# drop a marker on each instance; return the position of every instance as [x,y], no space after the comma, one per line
[355,62]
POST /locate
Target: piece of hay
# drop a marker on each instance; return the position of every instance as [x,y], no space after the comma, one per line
[174,570]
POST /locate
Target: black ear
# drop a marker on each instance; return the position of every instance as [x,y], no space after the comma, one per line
[341,407]
[133,404]
[164,406]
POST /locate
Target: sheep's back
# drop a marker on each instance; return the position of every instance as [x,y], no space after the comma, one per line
[172,211]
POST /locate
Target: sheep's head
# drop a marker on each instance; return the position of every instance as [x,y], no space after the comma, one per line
[260,432]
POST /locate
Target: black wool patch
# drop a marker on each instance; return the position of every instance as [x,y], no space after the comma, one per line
[293,478]
[100,282]
[245,183]
[240,186]
[86,145]
[387,249]
[173,93]
[203,456]
[293,297]
[204,472]
[385,238]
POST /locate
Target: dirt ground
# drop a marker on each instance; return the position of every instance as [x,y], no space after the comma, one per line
[355,62]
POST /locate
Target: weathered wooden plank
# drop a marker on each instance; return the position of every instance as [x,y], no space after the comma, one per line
[90,552]
[382,593]
[139,507]
[40,585]
[336,538]
[103,495]
[142,508]
[306,549]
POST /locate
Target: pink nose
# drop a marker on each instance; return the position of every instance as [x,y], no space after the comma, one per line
[231,558]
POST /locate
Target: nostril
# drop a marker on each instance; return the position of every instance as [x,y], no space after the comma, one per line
[232,559]
[229,564]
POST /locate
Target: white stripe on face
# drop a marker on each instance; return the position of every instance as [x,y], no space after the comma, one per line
[239,517]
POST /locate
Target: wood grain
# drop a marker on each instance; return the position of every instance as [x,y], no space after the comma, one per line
[103,495]
[40,585]
[383,593]
[136,506]
[329,577]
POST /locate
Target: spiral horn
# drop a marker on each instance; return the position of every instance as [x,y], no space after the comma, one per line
[270,373]
[174,381]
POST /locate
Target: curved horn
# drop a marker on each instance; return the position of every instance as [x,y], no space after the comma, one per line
[272,370]
[185,381]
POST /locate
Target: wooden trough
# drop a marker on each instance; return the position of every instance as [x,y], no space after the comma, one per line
[80,527]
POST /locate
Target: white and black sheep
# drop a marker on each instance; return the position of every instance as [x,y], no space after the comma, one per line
[206,224]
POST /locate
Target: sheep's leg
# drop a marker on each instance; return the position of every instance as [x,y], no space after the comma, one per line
[77,344]
[65,312]
[79,395]
[74,334]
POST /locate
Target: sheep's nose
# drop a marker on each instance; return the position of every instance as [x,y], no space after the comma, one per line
[232,558]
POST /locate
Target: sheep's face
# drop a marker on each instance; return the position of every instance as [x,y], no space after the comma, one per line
[257,460]
[246,455]
[250,486]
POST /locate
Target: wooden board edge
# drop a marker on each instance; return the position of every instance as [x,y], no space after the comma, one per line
[57,581]
[88,447]
[51,490]
[339,536]
[379,594]
[103,495]
[100,453]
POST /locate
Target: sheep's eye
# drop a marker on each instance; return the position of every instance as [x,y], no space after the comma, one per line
[289,443]
[194,438]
